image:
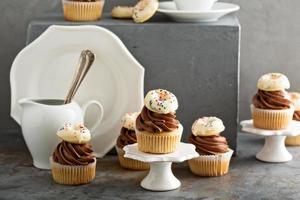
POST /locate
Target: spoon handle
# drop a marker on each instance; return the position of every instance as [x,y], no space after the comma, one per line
[90,60]
[80,68]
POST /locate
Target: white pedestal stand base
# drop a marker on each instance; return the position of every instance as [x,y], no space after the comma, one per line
[160,176]
[274,149]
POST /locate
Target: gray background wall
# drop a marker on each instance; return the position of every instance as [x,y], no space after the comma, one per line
[270,42]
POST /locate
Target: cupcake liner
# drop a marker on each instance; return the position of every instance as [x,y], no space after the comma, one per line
[128,163]
[211,165]
[292,140]
[82,11]
[166,142]
[73,175]
[271,119]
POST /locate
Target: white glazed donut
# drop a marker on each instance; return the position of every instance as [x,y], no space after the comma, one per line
[295,97]
[207,126]
[273,82]
[122,12]
[144,10]
[128,121]
[77,133]
[161,101]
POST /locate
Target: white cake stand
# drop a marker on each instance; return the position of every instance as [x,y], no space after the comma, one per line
[160,176]
[274,149]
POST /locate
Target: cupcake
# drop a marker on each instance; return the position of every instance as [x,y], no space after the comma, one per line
[73,162]
[82,10]
[157,129]
[214,153]
[295,98]
[126,137]
[271,106]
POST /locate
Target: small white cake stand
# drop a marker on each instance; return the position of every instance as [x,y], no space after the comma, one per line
[274,149]
[160,176]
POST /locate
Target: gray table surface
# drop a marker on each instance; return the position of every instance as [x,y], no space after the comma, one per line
[248,178]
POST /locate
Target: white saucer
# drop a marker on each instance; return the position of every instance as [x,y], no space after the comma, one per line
[218,10]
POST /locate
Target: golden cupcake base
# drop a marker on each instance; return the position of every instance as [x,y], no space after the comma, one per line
[292,141]
[211,165]
[271,119]
[82,11]
[131,164]
[159,143]
[73,175]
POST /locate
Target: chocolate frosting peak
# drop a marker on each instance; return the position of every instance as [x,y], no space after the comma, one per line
[275,100]
[126,137]
[208,145]
[73,154]
[296,115]
[155,122]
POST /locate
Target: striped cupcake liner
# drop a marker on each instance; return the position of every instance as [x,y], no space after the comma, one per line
[211,165]
[158,143]
[271,119]
[292,141]
[128,163]
[82,11]
[73,175]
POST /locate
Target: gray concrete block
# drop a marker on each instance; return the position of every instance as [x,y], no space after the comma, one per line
[199,62]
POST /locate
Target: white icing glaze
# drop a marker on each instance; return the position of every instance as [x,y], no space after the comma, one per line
[144,10]
[273,82]
[128,120]
[161,101]
[207,126]
[122,12]
[295,97]
[76,133]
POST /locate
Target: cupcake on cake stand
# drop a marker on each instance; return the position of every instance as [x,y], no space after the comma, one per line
[160,176]
[272,112]
[274,149]
[158,134]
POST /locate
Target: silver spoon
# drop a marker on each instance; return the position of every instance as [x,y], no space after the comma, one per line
[85,62]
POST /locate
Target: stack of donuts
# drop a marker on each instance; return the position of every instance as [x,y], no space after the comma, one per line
[140,13]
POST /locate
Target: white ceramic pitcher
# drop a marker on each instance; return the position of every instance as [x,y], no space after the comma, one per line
[41,118]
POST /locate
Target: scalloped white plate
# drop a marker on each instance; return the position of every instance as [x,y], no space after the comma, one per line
[292,130]
[185,151]
[218,10]
[44,69]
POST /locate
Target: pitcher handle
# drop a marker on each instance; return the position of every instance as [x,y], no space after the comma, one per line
[99,120]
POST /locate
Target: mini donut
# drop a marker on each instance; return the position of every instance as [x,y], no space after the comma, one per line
[161,101]
[122,12]
[273,82]
[128,120]
[207,126]
[77,133]
[144,10]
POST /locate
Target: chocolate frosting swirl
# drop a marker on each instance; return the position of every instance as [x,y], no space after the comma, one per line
[67,153]
[155,122]
[296,115]
[275,100]
[209,144]
[126,137]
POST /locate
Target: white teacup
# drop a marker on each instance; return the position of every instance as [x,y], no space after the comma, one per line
[41,118]
[194,5]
